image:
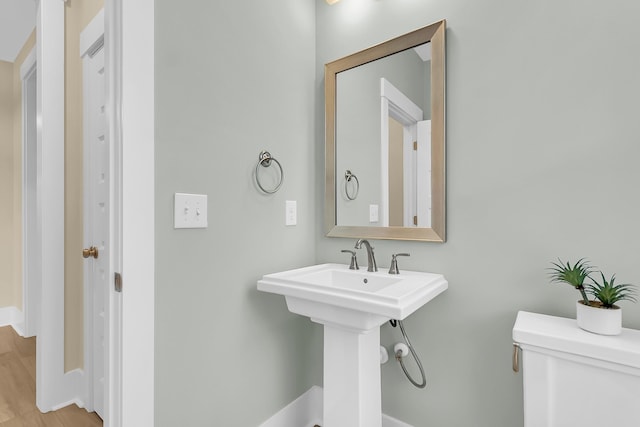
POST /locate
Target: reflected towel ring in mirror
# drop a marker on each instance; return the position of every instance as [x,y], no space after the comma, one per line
[264,160]
[348,176]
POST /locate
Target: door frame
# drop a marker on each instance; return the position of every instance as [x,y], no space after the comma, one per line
[53,390]
[31,275]
[129,64]
[135,109]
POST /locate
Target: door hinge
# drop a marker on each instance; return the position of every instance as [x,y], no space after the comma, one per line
[415,145]
[118,282]
[415,220]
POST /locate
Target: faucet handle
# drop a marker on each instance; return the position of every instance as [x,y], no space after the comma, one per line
[394,263]
[354,261]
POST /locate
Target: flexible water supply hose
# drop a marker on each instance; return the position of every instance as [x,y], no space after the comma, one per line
[415,357]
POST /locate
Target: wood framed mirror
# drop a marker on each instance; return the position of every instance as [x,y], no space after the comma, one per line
[385,140]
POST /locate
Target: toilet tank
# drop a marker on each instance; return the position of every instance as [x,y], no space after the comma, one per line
[573,378]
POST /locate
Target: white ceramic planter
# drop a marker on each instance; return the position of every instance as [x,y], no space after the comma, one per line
[601,321]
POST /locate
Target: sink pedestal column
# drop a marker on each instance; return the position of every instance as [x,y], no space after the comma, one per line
[352,395]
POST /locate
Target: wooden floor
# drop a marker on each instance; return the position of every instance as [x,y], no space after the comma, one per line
[18,389]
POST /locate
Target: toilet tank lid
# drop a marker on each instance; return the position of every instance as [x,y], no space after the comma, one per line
[561,334]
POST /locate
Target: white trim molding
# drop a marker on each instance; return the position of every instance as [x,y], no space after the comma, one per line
[74,381]
[12,316]
[28,64]
[134,141]
[31,240]
[306,411]
[113,374]
[52,387]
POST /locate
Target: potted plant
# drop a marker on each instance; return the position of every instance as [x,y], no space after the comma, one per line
[602,315]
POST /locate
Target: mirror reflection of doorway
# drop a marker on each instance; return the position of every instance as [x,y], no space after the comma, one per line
[409,174]
[406,161]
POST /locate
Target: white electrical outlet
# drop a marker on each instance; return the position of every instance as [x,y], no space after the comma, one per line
[190,211]
[373,213]
[291,212]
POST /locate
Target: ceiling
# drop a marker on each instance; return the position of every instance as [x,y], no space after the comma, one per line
[17,20]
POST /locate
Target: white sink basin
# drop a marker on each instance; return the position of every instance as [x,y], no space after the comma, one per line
[348,281]
[331,293]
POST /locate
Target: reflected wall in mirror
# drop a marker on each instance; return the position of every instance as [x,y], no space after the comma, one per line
[385,124]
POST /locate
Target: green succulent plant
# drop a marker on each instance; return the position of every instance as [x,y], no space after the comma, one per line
[608,293]
[574,275]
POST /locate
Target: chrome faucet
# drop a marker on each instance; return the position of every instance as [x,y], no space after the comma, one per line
[371,258]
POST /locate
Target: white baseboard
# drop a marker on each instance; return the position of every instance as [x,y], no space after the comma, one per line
[11,316]
[388,421]
[74,389]
[302,412]
[306,411]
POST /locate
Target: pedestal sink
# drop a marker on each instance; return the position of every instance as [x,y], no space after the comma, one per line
[352,304]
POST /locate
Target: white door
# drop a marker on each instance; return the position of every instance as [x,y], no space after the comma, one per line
[96,228]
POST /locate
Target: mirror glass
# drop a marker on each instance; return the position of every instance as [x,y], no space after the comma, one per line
[385,140]
[385,168]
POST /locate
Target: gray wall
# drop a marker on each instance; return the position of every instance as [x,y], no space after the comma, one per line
[232,78]
[542,147]
[542,161]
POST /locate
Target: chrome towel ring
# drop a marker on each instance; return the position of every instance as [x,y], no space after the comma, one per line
[348,176]
[264,160]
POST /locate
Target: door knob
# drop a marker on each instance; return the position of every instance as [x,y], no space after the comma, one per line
[92,251]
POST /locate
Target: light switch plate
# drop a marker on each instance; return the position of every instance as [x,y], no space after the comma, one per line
[190,211]
[291,212]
